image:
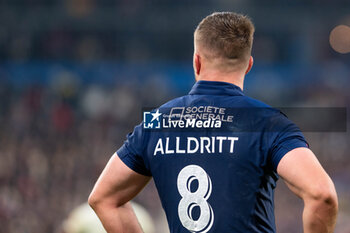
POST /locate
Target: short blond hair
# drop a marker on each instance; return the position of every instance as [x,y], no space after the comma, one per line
[226,35]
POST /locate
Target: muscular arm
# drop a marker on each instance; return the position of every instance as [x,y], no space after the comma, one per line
[117,185]
[305,177]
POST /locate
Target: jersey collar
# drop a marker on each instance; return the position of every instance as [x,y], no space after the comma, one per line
[215,88]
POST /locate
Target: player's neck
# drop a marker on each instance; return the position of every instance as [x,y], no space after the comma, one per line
[234,78]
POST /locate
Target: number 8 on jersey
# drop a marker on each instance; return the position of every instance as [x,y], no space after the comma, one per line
[195,199]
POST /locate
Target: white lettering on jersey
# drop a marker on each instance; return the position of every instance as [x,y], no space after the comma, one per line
[191,145]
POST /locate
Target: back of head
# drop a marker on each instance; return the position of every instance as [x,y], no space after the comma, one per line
[225,36]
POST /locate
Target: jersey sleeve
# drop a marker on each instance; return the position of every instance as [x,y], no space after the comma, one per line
[284,137]
[132,151]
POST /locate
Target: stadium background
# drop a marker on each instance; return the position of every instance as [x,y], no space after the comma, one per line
[75,74]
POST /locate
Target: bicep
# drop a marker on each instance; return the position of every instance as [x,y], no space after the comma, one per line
[117,183]
[303,173]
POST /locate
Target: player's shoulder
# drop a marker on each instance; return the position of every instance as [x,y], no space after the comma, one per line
[251,102]
[259,107]
[262,116]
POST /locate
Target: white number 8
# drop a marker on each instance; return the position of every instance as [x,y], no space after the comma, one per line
[192,199]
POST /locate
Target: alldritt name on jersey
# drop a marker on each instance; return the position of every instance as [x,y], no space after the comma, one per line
[192,145]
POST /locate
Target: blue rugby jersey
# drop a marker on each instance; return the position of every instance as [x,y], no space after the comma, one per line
[213,155]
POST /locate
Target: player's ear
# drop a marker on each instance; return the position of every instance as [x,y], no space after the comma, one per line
[197,63]
[250,65]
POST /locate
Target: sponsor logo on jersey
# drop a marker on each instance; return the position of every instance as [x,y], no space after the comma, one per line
[197,117]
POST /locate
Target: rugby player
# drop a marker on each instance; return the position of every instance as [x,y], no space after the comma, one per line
[216,177]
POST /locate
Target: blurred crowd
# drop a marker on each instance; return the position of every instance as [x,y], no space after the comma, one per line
[135,30]
[53,145]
